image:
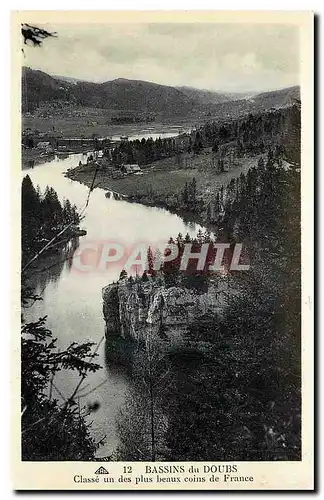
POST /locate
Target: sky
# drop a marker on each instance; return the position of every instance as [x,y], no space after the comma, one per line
[219,57]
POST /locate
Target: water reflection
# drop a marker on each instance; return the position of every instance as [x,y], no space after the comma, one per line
[72,300]
[49,267]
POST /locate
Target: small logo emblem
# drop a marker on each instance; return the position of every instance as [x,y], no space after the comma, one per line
[101,470]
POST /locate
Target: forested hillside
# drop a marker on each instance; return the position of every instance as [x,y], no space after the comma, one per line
[40,89]
[43,216]
[234,393]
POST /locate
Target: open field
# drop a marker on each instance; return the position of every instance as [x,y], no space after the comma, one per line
[163,178]
[89,121]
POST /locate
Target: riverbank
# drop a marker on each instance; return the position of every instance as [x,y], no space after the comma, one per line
[163,182]
[31,157]
[72,300]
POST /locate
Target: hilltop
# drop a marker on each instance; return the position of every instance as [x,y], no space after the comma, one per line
[120,94]
[136,96]
[204,96]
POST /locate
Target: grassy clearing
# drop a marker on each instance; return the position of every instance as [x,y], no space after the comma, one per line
[164,178]
[96,121]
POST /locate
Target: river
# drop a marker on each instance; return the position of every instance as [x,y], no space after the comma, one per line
[72,300]
[151,134]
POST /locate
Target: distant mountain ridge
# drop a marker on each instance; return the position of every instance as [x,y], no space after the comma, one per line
[204,96]
[285,96]
[120,94]
[123,95]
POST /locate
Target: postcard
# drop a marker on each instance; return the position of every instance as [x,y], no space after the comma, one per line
[162,185]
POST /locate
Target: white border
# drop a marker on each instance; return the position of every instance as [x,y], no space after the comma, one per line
[5,196]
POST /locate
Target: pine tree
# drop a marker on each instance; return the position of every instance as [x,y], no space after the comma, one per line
[51,431]
[42,216]
[185,195]
[150,262]
[158,260]
[145,276]
[30,214]
[123,274]
[200,236]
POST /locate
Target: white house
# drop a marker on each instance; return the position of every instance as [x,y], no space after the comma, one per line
[131,168]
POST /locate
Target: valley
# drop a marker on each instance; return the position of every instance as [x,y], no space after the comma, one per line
[180,351]
[53,105]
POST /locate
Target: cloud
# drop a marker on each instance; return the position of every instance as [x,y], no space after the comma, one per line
[232,57]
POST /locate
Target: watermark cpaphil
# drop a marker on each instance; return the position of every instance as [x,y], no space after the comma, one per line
[212,257]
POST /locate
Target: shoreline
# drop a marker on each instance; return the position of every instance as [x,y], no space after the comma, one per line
[31,158]
[84,178]
[162,185]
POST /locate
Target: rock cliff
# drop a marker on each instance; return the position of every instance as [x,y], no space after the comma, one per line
[136,309]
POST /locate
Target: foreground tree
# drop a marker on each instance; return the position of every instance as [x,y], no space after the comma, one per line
[35,35]
[142,422]
[53,429]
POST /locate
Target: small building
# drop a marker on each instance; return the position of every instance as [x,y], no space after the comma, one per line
[131,168]
[45,146]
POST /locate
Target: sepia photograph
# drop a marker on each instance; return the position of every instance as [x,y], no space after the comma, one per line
[161,176]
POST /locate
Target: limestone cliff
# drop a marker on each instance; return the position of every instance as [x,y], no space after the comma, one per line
[134,309]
